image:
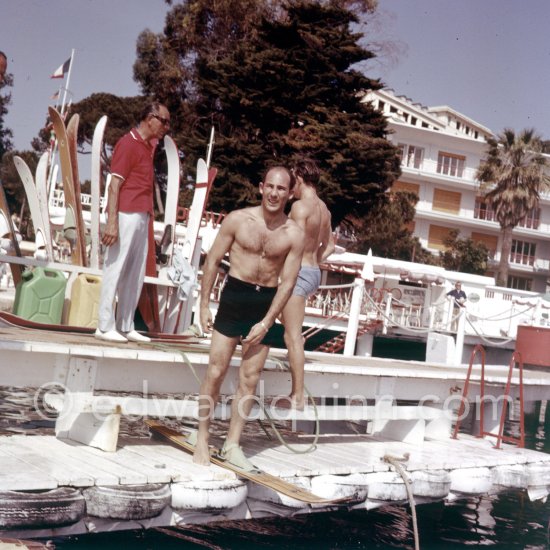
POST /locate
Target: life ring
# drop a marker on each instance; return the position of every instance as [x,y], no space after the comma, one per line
[53,508]
[127,501]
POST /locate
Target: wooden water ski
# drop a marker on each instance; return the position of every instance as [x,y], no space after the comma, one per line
[148,304]
[262,478]
[71,201]
[72,141]
[97,144]
[16,269]
[166,340]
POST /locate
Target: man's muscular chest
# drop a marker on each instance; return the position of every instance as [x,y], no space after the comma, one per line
[262,242]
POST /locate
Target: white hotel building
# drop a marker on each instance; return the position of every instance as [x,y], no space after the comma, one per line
[440,151]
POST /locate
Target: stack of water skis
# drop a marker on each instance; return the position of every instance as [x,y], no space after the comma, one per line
[161,306]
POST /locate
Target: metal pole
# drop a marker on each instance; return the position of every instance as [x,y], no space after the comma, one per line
[459,345]
[65,91]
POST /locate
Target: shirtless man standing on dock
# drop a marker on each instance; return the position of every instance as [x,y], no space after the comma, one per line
[313,216]
[265,250]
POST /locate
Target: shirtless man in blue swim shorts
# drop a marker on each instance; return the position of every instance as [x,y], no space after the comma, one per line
[265,250]
[313,216]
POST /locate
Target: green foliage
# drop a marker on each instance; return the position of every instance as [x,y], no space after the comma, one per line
[512,178]
[277,81]
[5,133]
[464,255]
[123,114]
[13,186]
[384,230]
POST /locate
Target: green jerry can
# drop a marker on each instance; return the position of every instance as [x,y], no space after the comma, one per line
[40,296]
[84,308]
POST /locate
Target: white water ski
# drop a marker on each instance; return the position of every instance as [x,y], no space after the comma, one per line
[41,182]
[172,193]
[43,240]
[191,246]
[170,216]
[97,144]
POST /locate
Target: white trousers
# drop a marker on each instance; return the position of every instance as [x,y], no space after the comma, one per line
[123,272]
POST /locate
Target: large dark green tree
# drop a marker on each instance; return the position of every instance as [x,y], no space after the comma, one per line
[123,113]
[386,230]
[277,81]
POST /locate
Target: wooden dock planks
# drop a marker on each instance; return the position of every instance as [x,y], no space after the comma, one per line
[44,462]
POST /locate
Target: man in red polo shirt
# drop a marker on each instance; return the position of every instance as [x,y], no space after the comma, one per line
[130,204]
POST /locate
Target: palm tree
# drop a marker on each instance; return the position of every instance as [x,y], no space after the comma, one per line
[512,178]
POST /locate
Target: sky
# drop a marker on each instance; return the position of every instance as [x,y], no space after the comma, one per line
[488,59]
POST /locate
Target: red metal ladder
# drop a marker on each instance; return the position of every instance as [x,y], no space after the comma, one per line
[515,359]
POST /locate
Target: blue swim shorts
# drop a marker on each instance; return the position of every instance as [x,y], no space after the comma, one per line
[309,279]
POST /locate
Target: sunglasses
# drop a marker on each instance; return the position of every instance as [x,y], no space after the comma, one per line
[162,120]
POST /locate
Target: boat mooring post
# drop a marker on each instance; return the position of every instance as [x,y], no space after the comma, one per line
[354,312]
[367,274]
[459,344]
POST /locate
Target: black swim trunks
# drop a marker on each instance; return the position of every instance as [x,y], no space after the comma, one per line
[242,305]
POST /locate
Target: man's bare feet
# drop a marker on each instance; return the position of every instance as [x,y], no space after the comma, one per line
[202,454]
[298,402]
[289,402]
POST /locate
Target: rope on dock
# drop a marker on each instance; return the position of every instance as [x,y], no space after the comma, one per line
[186,360]
[284,366]
[495,343]
[395,462]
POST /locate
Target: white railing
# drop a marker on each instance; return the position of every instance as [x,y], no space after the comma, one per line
[57,199]
[497,315]
[430,166]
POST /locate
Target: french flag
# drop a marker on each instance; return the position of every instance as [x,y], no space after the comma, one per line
[62,69]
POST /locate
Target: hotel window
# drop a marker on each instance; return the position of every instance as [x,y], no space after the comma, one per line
[531,221]
[406,186]
[483,211]
[436,237]
[446,201]
[411,155]
[381,106]
[414,120]
[522,252]
[519,283]
[490,241]
[450,165]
